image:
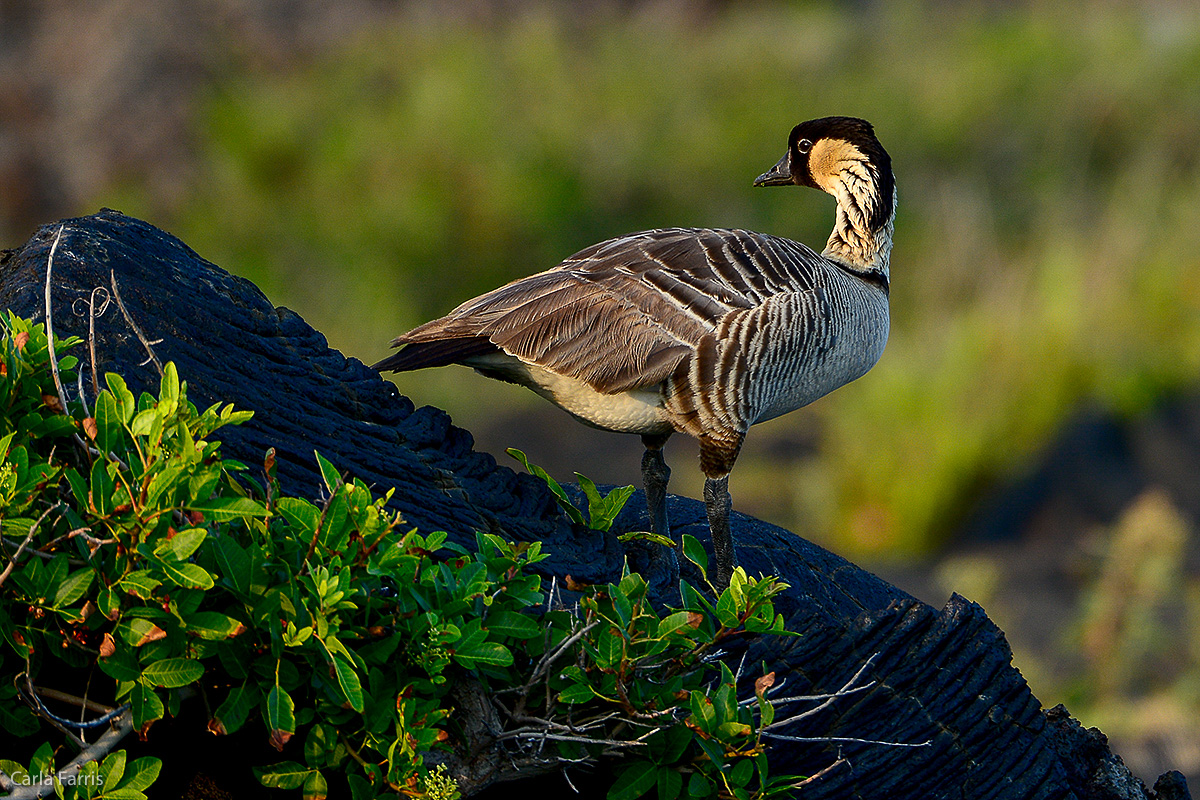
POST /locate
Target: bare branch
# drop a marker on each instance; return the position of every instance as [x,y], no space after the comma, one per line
[103,746]
[138,331]
[818,775]
[81,702]
[546,735]
[812,698]
[785,738]
[62,395]
[544,663]
[92,314]
[847,689]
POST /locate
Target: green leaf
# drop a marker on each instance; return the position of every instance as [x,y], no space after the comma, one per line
[148,422]
[320,744]
[139,584]
[703,712]
[17,720]
[109,424]
[233,562]
[164,482]
[172,673]
[678,621]
[168,388]
[112,769]
[284,775]
[43,760]
[634,781]
[603,510]
[360,788]
[141,774]
[122,665]
[73,587]
[137,631]
[629,536]
[191,576]
[491,653]
[610,647]
[79,487]
[212,625]
[299,513]
[101,488]
[315,787]
[714,751]
[670,782]
[349,683]
[201,485]
[727,731]
[329,473]
[280,712]
[766,711]
[146,705]
[742,772]
[694,552]
[668,746]
[699,786]
[226,509]
[120,392]
[232,713]
[728,610]
[181,546]
[577,693]
[16,771]
[511,623]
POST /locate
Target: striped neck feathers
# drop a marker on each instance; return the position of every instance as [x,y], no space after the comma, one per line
[865,191]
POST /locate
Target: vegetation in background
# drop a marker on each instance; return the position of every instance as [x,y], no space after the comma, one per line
[132,547]
[1044,251]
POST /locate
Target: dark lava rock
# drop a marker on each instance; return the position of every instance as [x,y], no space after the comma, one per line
[940,676]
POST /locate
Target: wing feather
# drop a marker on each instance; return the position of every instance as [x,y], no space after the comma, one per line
[623,313]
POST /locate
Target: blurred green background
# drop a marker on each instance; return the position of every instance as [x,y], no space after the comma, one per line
[371,165]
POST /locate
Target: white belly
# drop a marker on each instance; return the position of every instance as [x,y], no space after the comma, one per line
[635,411]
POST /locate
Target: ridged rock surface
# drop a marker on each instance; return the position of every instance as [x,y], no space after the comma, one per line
[941,675]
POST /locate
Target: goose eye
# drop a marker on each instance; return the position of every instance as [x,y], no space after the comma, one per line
[804,145]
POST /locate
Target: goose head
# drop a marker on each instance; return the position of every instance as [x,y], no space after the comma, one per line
[841,156]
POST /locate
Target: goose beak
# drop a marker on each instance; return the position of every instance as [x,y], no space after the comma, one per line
[778,175]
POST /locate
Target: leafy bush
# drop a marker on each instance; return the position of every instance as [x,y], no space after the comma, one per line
[132,545]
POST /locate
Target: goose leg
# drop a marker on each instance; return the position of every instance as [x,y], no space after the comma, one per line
[717,455]
[655,474]
[718,504]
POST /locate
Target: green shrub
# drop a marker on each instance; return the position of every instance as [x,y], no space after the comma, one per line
[132,545]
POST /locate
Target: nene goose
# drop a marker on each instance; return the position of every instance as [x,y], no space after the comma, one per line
[700,331]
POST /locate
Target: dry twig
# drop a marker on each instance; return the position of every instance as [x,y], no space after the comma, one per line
[146,343]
